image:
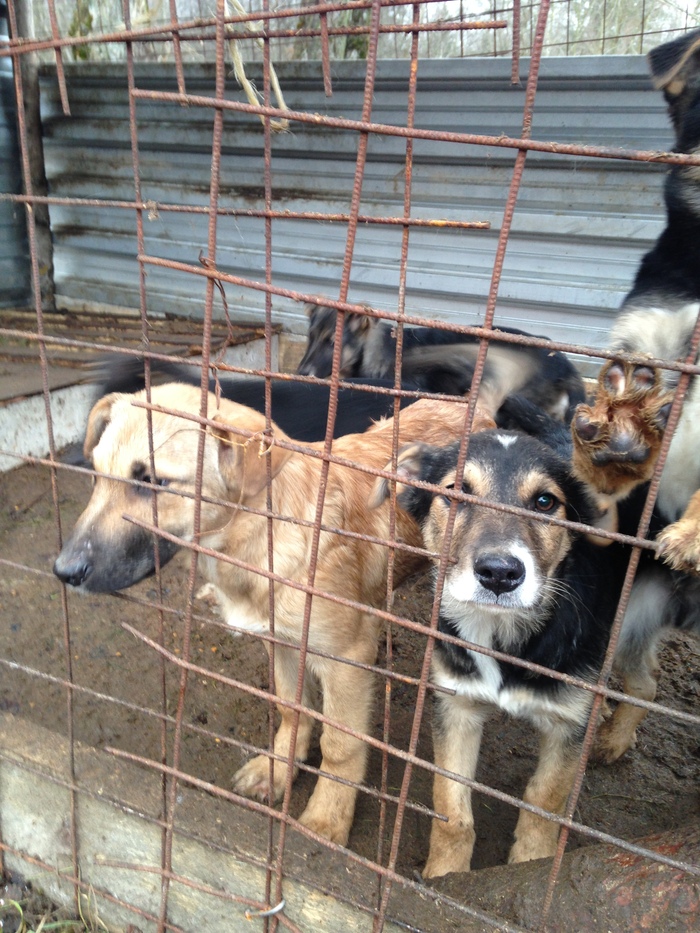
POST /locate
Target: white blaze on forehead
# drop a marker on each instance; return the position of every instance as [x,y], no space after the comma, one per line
[506,439]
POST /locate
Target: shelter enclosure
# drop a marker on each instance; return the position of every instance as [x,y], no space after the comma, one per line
[178,181]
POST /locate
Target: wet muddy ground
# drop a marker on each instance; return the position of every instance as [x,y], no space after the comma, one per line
[653,788]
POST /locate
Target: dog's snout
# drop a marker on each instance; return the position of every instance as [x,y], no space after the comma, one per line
[500,573]
[73,570]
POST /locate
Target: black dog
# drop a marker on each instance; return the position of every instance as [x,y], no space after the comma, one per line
[441,361]
[617,438]
[528,588]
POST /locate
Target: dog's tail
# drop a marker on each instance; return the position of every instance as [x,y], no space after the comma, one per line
[450,369]
[120,373]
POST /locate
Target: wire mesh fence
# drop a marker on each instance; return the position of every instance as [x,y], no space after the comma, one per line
[297,565]
[450,29]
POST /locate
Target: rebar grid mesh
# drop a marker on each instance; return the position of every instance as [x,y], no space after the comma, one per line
[171,719]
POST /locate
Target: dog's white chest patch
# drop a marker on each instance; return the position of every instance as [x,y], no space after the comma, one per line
[543,711]
[484,686]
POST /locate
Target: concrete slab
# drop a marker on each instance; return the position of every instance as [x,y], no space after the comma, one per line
[219,850]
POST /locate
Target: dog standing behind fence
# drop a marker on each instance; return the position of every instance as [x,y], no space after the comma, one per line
[442,361]
[527,588]
[617,439]
[107,553]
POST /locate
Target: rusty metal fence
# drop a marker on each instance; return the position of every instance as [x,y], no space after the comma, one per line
[372,888]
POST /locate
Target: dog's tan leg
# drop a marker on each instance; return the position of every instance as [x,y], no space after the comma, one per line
[456,739]
[549,788]
[348,693]
[680,542]
[253,779]
[619,732]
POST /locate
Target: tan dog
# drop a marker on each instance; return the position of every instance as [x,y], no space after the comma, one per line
[107,553]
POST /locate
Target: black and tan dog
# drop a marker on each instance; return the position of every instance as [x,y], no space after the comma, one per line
[531,589]
[441,361]
[618,437]
[106,552]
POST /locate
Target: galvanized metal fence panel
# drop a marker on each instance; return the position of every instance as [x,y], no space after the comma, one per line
[579,230]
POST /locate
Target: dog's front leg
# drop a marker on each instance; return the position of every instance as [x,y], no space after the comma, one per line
[680,542]
[549,789]
[457,729]
[348,693]
[253,779]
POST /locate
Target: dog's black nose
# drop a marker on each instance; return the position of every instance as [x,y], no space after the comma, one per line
[73,572]
[500,573]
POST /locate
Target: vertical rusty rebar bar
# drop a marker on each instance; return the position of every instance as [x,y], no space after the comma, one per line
[401,308]
[267,178]
[515,60]
[177,48]
[60,75]
[28,180]
[478,373]
[332,405]
[217,134]
[145,339]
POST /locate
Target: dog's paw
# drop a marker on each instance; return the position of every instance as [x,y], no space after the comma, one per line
[617,439]
[444,863]
[680,545]
[451,847]
[337,830]
[330,811]
[526,850]
[253,779]
[611,741]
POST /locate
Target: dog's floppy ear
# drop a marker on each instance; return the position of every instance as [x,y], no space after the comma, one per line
[98,419]
[668,62]
[242,459]
[358,323]
[408,466]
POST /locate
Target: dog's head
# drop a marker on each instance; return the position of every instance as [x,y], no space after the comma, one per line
[498,561]
[318,356]
[106,551]
[675,69]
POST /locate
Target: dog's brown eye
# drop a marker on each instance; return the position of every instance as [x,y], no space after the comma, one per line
[546,502]
[465,488]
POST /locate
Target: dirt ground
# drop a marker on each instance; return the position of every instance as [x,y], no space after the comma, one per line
[653,788]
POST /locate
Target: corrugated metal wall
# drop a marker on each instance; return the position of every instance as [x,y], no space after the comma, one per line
[580,226]
[14,252]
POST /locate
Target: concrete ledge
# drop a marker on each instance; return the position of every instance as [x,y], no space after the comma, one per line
[23,428]
[116,829]
[23,423]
